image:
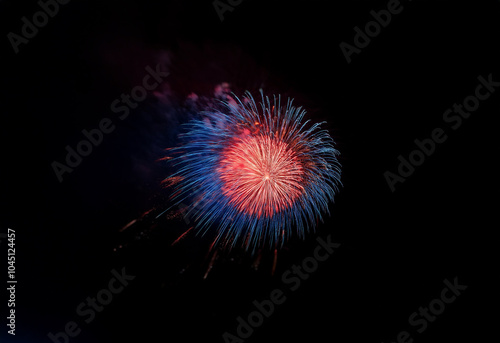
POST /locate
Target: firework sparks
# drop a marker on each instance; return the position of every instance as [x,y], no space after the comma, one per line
[261,175]
[256,173]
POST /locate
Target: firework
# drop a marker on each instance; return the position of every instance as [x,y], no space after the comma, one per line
[255,172]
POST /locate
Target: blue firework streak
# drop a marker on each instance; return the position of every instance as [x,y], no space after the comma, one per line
[255,172]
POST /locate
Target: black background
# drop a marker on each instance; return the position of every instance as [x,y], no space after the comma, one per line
[396,247]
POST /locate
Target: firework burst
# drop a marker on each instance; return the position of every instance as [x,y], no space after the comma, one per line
[255,172]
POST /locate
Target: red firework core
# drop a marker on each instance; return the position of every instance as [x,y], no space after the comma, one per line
[261,175]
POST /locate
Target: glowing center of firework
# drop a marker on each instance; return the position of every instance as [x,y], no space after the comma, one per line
[261,175]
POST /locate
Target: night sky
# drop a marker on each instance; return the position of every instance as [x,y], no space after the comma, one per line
[396,246]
